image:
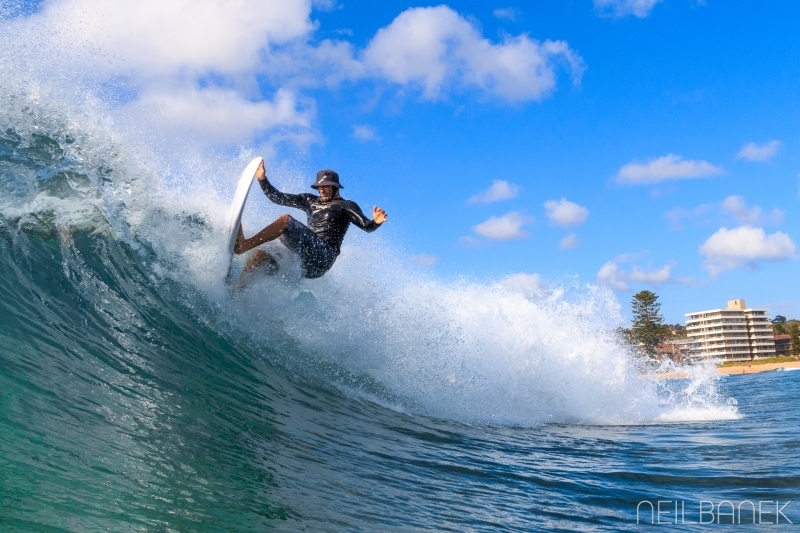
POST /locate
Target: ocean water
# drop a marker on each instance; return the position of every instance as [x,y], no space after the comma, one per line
[138,392]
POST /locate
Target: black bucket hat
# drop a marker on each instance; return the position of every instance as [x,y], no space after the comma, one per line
[327,177]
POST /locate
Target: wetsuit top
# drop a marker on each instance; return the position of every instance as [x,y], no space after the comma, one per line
[329,220]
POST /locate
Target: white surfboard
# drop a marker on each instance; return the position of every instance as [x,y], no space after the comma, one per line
[237,205]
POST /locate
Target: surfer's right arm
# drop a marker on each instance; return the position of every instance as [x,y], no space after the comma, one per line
[298,201]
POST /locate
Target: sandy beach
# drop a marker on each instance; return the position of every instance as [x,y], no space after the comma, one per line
[744,368]
[752,369]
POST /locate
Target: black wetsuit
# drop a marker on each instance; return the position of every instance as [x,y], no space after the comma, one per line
[319,243]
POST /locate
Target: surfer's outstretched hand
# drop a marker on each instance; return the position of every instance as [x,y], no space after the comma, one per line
[261,171]
[379,215]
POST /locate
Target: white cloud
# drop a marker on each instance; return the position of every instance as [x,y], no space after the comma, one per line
[569,242]
[153,37]
[222,115]
[326,5]
[656,276]
[364,133]
[565,213]
[499,190]
[735,205]
[470,242]
[612,277]
[758,152]
[745,245]
[425,260]
[507,13]
[438,49]
[302,65]
[203,64]
[622,8]
[617,279]
[669,167]
[187,65]
[506,227]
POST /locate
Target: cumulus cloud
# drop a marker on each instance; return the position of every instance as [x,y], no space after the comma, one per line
[735,205]
[499,190]
[759,152]
[222,115]
[504,228]
[565,213]
[745,245]
[669,167]
[326,5]
[153,37]
[236,70]
[185,65]
[623,8]
[437,49]
[656,276]
[470,242]
[731,207]
[569,242]
[425,260]
[300,64]
[506,13]
[364,133]
[613,276]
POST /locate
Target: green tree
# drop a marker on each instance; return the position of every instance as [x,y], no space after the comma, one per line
[648,330]
[624,336]
[779,325]
[794,338]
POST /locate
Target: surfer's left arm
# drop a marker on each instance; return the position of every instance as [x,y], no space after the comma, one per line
[358,218]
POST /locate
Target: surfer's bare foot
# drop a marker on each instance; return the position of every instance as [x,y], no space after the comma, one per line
[261,258]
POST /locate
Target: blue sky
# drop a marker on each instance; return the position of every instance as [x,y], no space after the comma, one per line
[632,143]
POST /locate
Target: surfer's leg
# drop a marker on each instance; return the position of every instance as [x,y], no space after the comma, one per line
[259,258]
[270,233]
[316,256]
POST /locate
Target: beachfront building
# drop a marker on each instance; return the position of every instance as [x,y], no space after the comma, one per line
[735,333]
[679,350]
[783,344]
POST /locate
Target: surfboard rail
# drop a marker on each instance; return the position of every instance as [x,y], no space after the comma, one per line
[237,207]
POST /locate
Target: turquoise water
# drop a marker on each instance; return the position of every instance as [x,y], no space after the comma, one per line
[139,393]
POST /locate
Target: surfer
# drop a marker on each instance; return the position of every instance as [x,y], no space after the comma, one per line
[317,244]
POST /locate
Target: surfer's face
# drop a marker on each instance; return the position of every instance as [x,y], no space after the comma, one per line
[327,192]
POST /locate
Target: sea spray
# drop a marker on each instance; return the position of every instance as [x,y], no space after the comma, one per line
[515,351]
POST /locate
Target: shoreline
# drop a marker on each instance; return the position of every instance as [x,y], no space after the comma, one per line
[744,368]
[754,369]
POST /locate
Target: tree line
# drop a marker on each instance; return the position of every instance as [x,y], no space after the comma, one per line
[781,326]
[648,330]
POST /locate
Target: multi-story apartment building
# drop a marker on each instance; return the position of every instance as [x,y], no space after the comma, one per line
[734,333]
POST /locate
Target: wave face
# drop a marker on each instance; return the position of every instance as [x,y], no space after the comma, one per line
[138,391]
